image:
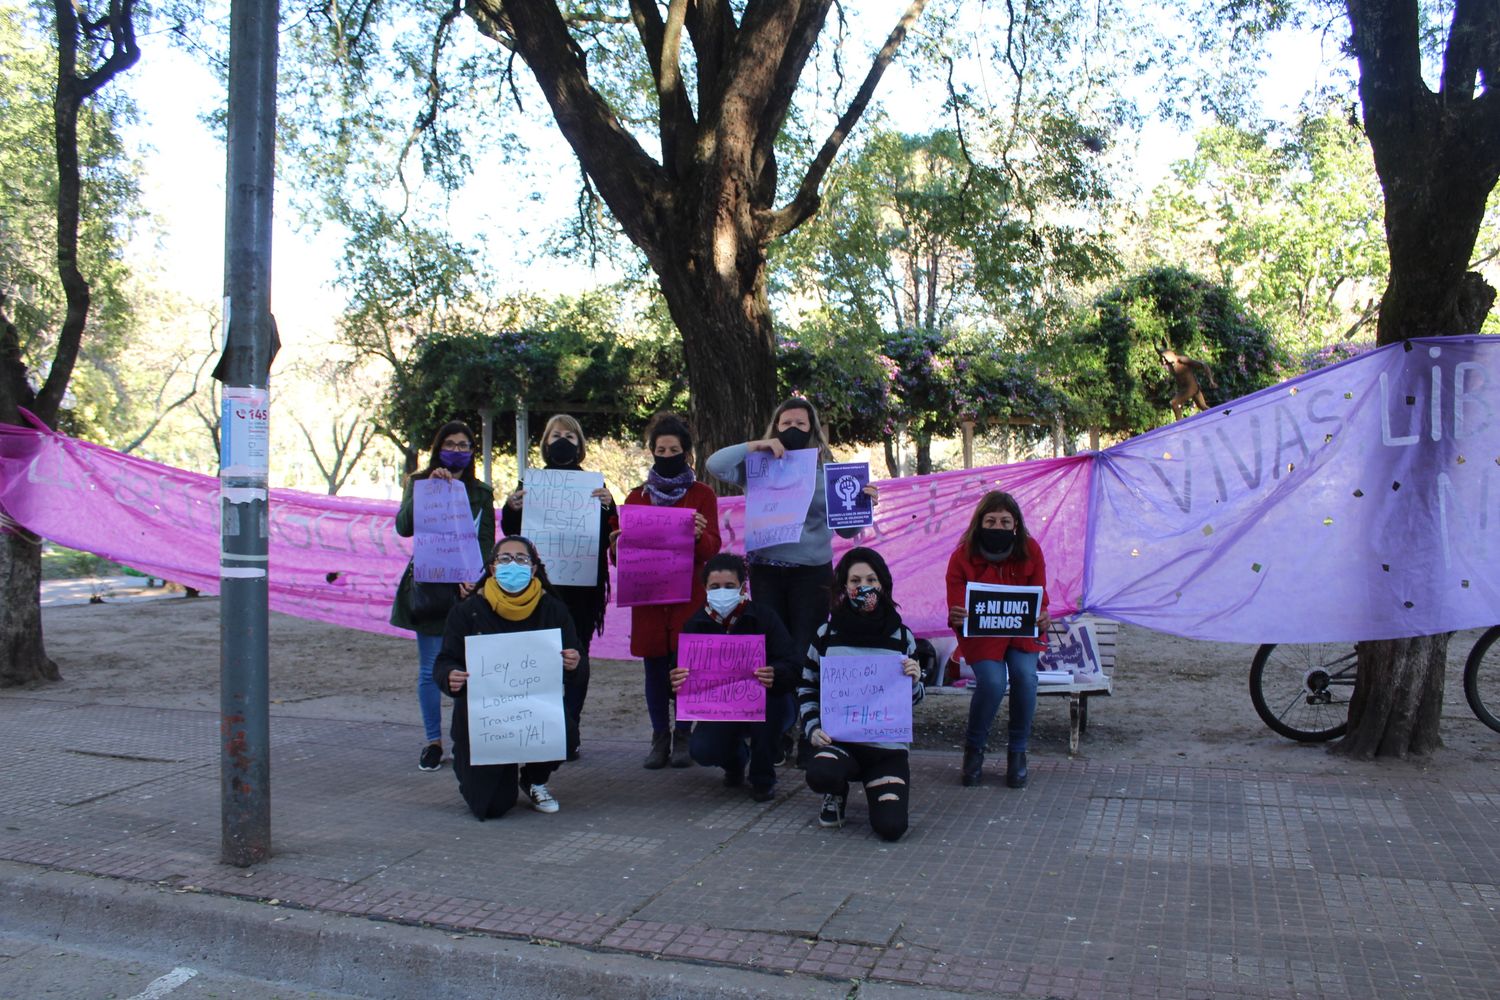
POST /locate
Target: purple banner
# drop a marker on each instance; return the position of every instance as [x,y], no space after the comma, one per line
[865,699]
[844,484]
[654,555]
[721,685]
[1354,502]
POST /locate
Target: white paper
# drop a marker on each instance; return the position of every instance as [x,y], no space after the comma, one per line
[244,432]
[561,517]
[515,697]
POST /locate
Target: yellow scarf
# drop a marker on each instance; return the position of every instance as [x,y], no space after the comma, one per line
[513,607]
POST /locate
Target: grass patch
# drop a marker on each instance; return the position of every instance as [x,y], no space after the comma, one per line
[59,563]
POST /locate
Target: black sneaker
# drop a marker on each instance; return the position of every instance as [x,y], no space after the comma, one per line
[783,749]
[763,793]
[431,759]
[832,815]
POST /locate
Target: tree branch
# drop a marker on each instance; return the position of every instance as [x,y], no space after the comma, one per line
[1473,43]
[710,25]
[631,183]
[663,43]
[429,114]
[805,202]
[798,48]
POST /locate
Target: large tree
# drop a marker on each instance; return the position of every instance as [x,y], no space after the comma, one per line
[1437,151]
[724,79]
[94,44]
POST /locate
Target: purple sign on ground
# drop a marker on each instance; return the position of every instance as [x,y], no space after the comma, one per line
[721,685]
[865,699]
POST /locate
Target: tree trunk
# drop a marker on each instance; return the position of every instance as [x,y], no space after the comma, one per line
[892,460]
[923,442]
[23,660]
[1398,698]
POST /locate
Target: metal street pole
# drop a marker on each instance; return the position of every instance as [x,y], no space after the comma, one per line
[250,341]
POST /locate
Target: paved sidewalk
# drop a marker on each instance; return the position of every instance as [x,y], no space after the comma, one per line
[1101,880]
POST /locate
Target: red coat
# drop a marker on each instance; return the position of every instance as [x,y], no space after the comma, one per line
[654,628]
[964,568]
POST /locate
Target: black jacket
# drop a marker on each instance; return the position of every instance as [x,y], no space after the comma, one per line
[781,654]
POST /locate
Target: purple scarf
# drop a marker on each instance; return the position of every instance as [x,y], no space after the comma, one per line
[667,490]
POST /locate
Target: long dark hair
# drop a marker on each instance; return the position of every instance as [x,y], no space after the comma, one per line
[538,568]
[451,427]
[861,554]
[997,500]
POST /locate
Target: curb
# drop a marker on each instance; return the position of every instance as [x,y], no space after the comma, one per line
[369,958]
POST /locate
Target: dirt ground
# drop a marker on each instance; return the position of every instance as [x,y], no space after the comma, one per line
[1176,701]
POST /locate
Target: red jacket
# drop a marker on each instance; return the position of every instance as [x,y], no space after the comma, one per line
[654,628]
[964,568]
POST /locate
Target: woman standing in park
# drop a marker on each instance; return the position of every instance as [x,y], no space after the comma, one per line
[451,457]
[864,622]
[996,548]
[654,628]
[514,597]
[564,447]
[793,579]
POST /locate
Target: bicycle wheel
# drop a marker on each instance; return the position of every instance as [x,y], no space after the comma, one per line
[1301,690]
[1482,678]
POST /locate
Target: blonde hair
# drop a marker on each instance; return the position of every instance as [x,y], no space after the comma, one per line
[567,423]
[825,454]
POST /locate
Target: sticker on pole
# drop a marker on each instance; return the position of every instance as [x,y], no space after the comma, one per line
[245,434]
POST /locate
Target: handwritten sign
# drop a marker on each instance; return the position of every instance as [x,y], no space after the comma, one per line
[778,492]
[844,484]
[515,697]
[998,610]
[561,516]
[445,544]
[721,685]
[865,699]
[654,555]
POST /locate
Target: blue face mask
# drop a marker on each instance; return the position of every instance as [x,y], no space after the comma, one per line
[723,600]
[512,577]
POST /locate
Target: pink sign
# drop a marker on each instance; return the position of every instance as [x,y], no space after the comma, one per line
[721,685]
[654,555]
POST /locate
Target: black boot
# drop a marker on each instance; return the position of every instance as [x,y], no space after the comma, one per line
[680,755]
[661,746]
[1015,769]
[973,765]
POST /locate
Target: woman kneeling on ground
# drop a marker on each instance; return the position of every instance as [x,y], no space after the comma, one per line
[514,597]
[729,611]
[864,622]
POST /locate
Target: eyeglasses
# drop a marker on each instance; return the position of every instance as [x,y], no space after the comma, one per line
[507,560]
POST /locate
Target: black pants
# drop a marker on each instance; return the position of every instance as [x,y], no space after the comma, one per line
[722,744]
[490,790]
[833,767]
[798,594]
[582,604]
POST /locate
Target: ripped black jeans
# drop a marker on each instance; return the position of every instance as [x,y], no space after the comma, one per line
[886,775]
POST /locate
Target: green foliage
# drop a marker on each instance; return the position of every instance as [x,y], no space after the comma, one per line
[28,222]
[1110,364]
[1293,222]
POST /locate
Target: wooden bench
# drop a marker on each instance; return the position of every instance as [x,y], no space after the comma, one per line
[1059,652]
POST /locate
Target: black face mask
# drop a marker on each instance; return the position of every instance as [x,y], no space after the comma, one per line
[794,438]
[668,466]
[560,454]
[997,540]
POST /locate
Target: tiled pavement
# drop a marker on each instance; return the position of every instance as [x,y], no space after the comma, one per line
[1101,880]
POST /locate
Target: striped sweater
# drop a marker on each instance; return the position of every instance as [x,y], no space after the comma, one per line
[827,643]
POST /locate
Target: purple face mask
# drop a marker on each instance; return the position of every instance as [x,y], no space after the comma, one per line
[454,461]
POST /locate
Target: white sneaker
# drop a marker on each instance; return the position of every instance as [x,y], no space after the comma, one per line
[541,799]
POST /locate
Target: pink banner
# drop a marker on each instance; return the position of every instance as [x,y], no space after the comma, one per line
[654,555]
[1349,503]
[721,685]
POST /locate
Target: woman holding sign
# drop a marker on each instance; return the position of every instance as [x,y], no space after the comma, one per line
[719,739]
[654,628]
[864,630]
[793,578]
[451,458]
[514,598]
[563,448]
[996,549]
